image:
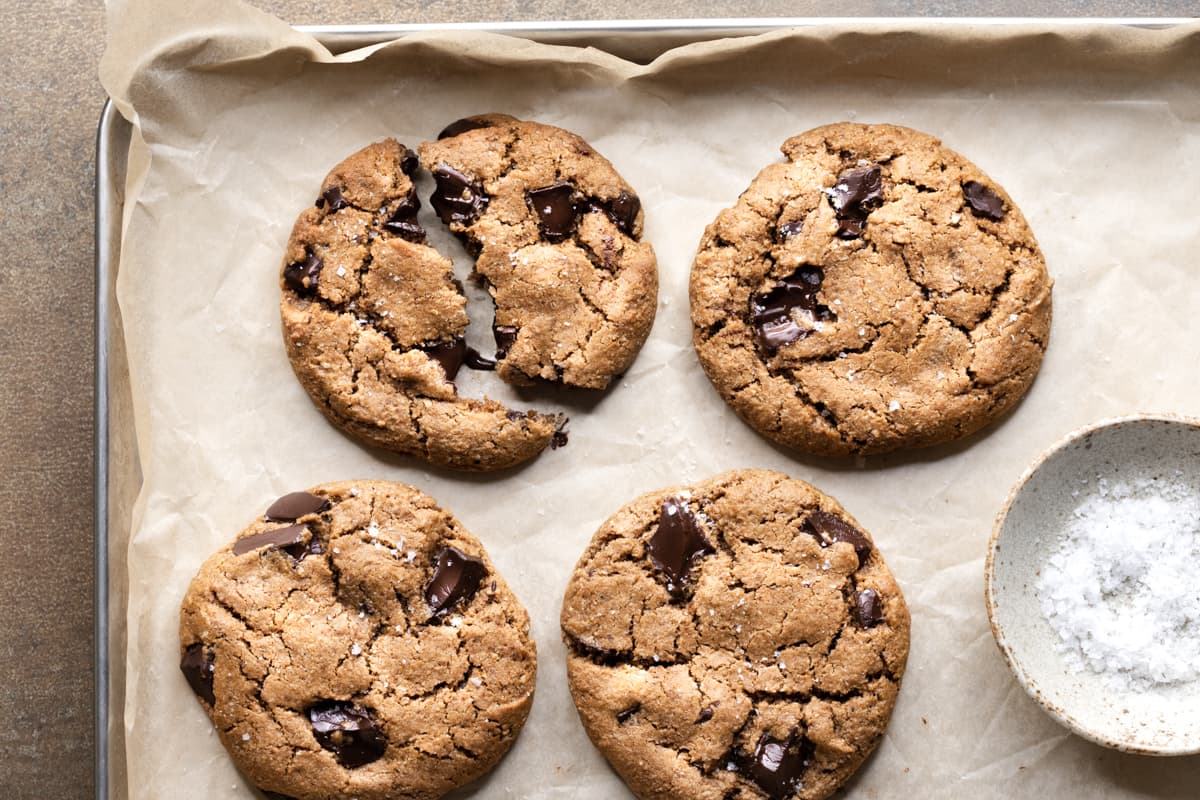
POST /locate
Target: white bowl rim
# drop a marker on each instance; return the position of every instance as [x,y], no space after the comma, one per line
[1023,678]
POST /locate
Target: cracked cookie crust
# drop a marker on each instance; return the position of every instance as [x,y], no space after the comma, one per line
[876,292]
[557,237]
[374,324]
[356,641]
[738,639]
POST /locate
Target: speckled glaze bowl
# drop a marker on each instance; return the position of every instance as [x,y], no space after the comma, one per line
[1161,721]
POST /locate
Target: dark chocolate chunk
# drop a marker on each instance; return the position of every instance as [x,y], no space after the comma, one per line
[554,209]
[560,437]
[274,539]
[348,731]
[295,505]
[505,335]
[774,314]
[516,415]
[408,161]
[450,355]
[789,229]
[706,714]
[627,714]
[623,211]
[457,198]
[778,765]
[856,194]
[456,578]
[983,201]
[302,276]
[403,221]
[463,125]
[827,528]
[868,608]
[477,360]
[333,196]
[677,543]
[197,666]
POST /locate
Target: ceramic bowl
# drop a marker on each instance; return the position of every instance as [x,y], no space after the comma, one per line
[1164,720]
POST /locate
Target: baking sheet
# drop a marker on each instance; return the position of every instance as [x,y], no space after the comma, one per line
[1092,129]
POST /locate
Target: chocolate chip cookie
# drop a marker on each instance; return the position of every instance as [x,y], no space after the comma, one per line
[374,324]
[875,292]
[557,237]
[734,640]
[355,641]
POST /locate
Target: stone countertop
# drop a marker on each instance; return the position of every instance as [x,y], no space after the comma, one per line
[50,106]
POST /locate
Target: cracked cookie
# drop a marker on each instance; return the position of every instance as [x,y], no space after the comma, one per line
[875,292]
[556,233]
[356,641]
[739,639]
[374,324]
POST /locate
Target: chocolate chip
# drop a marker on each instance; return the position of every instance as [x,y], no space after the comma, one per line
[408,161]
[463,125]
[292,507]
[560,437]
[627,714]
[623,211]
[449,354]
[554,209]
[983,201]
[477,360]
[856,194]
[197,666]
[333,196]
[348,731]
[457,198]
[778,765]
[868,608]
[403,221]
[827,528]
[677,543]
[789,229]
[706,714]
[274,539]
[456,578]
[774,314]
[505,335]
[302,276]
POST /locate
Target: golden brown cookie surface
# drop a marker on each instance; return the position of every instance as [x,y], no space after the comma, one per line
[738,639]
[356,641]
[877,291]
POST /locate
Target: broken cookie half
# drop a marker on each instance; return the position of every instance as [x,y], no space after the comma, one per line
[375,322]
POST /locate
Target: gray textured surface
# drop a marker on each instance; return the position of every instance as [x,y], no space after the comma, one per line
[51,101]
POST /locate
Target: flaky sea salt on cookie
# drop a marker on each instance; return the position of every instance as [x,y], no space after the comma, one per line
[877,291]
[738,639]
[356,641]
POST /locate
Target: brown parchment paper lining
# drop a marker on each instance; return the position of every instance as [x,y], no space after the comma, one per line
[1094,130]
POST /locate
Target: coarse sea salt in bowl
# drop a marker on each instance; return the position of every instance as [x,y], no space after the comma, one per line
[1093,583]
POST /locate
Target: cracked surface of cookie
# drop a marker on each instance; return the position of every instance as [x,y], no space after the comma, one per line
[356,641]
[875,292]
[557,237]
[738,639]
[374,324]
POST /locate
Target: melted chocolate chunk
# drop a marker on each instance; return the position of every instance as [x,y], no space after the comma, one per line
[348,731]
[868,608]
[403,221]
[333,196]
[856,194]
[627,714]
[477,360]
[302,276]
[827,528]
[456,578]
[555,210]
[778,765]
[197,666]
[706,714]
[274,539]
[677,543]
[983,201]
[623,211]
[789,229]
[408,161]
[559,439]
[450,355]
[463,125]
[295,505]
[505,335]
[457,198]
[774,314]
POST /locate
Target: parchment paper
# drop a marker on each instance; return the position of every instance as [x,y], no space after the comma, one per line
[1094,131]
